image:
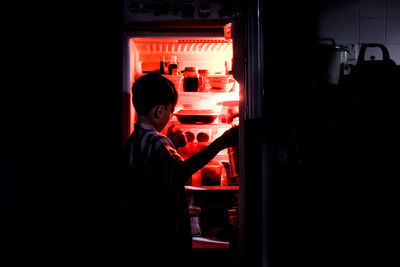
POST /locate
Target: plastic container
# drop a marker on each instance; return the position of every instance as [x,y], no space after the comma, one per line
[197,100]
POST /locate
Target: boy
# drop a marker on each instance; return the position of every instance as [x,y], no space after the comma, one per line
[157,174]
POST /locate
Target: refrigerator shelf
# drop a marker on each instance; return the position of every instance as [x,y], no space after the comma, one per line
[173,45]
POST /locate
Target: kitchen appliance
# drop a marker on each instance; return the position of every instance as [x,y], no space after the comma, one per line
[330,60]
[198,42]
[230,45]
[386,66]
[375,82]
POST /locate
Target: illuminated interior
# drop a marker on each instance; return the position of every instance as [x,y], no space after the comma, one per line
[204,113]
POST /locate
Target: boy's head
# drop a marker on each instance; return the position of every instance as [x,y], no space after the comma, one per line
[153,94]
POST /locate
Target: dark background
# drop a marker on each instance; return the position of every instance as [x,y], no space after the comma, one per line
[61,141]
[60,130]
[333,197]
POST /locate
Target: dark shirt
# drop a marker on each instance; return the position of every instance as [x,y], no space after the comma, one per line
[157,199]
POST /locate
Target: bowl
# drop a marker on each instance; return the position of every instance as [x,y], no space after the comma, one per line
[199,116]
[196,119]
[221,83]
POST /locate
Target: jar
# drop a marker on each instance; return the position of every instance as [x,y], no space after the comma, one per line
[204,83]
[191,79]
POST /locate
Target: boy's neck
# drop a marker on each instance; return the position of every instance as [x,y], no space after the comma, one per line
[145,120]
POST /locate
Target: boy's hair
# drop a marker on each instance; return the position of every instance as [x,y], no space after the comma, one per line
[150,90]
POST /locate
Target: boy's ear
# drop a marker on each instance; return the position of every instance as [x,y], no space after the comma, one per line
[158,110]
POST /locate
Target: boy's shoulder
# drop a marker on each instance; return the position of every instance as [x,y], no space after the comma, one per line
[164,140]
[163,143]
[169,146]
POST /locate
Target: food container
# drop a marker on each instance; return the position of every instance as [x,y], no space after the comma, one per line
[198,100]
[199,116]
[211,174]
[204,85]
[192,80]
[221,83]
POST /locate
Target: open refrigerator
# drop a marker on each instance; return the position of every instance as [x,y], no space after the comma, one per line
[208,103]
[208,94]
[227,54]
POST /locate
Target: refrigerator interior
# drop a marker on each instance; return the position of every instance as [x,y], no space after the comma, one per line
[211,54]
[213,190]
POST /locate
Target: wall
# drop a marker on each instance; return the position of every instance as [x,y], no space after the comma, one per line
[362,21]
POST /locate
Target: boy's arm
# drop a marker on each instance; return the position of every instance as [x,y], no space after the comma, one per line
[191,165]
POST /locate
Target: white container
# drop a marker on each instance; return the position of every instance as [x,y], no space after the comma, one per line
[221,83]
[197,100]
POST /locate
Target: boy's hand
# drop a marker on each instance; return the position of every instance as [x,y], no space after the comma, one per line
[231,137]
[177,137]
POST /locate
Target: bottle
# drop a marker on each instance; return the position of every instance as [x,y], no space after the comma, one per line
[233,155]
[162,63]
[172,65]
[228,67]
[223,181]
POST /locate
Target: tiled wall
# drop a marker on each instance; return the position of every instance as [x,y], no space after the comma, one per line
[362,21]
